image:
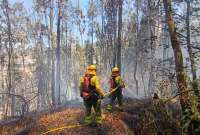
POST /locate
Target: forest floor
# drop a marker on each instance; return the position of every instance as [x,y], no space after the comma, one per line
[139,117]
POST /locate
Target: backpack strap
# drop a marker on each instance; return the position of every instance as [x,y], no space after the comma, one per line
[113,83]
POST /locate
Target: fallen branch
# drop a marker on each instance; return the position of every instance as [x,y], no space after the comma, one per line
[169,99]
[25,130]
[20,97]
[9,122]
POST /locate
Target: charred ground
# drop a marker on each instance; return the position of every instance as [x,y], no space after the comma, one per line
[139,117]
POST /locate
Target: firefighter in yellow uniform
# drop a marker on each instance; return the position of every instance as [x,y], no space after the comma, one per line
[116,82]
[91,91]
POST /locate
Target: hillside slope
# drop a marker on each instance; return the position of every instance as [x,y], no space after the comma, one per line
[138,117]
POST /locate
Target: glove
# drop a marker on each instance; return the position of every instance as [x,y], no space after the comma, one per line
[101,97]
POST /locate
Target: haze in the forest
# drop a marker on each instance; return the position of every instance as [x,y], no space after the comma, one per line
[47,45]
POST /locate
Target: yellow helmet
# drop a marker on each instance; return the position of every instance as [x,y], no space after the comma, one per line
[92,67]
[115,69]
[91,70]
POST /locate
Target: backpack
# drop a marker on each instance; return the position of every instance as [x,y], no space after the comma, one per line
[88,90]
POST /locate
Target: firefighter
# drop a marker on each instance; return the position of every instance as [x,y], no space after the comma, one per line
[91,92]
[116,82]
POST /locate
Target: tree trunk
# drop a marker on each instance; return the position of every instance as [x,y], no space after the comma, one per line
[193,67]
[66,50]
[52,55]
[142,77]
[92,47]
[10,58]
[136,49]
[180,73]
[120,4]
[150,81]
[150,43]
[58,53]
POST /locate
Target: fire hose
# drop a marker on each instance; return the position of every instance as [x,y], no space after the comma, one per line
[80,125]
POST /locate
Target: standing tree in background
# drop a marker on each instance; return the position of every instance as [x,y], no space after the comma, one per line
[192,61]
[58,53]
[92,13]
[9,49]
[180,73]
[52,53]
[136,46]
[111,30]
[120,7]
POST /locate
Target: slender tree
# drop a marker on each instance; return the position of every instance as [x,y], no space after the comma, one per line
[91,15]
[120,4]
[52,53]
[180,73]
[193,67]
[136,47]
[9,49]
[58,52]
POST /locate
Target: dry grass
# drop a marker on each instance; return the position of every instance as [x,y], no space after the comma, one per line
[139,117]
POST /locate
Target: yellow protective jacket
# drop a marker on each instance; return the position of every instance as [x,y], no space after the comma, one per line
[119,82]
[94,82]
